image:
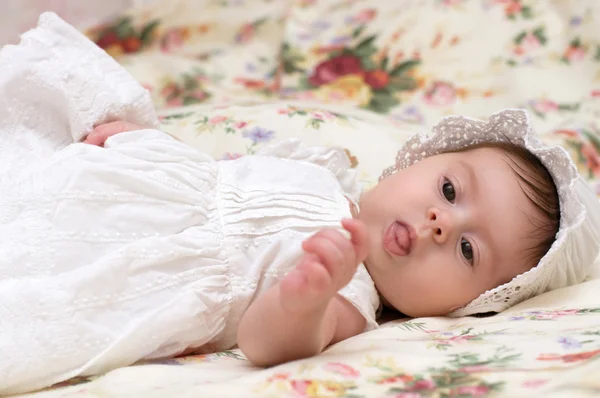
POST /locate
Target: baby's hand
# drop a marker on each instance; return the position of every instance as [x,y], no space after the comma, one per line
[329,263]
[101,133]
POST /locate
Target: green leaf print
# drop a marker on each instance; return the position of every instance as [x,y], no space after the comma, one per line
[597,55]
[540,33]
[384,63]
[123,28]
[402,84]
[411,326]
[382,101]
[501,358]
[366,46]
[314,123]
[593,139]
[230,354]
[527,12]
[291,57]
[147,31]
[404,67]
[177,116]
[357,32]
[519,38]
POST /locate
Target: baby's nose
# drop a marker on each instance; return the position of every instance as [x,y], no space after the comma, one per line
[441,224]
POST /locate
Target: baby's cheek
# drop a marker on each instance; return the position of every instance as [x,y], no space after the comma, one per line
[431,294]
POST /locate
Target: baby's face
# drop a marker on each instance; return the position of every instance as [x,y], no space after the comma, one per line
[446,230]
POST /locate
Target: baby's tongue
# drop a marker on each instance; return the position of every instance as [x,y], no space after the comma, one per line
[397,239]
[402,237]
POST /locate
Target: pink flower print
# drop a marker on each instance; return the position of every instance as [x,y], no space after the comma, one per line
[566,312]
[202,79]
[300,387]
[567,133]
[473,391]
[240,125]
[148,87]
[365,15]
[323,115]
[461,339]
[423,385]
[592,161]
[217,119]
[544,316]
[573,54]
[198,94]
[170,90]
[512,8]
[342,369]
[171,41]
[529,44]
[544,106]
[231,156]
[174,102]
[397,379]
[245,34]
[440,94]
[534,383]
[474,369]
[406,395]
[450,3]
[279,376]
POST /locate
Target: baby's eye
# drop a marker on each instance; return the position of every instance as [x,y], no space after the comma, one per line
[448,191]
[467,250]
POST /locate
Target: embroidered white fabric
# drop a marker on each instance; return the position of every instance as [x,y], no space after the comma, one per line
[54,68]
[571,257]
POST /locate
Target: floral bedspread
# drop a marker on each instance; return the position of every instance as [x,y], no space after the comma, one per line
[229,76]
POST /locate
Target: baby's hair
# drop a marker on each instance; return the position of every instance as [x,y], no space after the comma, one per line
[538,185]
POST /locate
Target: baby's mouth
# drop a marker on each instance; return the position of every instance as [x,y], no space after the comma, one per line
[398,239]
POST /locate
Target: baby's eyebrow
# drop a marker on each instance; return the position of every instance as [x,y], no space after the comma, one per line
[471,175]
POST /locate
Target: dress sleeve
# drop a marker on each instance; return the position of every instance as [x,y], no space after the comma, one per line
[361,293]
[332,158]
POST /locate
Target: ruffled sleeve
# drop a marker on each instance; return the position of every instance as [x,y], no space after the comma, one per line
[55,86]
[332,158]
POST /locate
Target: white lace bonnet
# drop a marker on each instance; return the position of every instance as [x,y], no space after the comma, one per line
[571,257]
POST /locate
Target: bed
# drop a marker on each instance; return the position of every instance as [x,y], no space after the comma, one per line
[229,76]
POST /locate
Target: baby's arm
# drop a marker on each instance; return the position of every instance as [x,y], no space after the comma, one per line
[303,314]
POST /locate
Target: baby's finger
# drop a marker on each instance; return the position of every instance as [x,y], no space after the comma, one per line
[336,236]
[317,276]
[359,237]
[328,252]
[94,138]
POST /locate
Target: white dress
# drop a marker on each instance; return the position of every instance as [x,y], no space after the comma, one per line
[146,247]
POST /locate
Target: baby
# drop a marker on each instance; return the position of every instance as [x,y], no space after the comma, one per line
[133,245]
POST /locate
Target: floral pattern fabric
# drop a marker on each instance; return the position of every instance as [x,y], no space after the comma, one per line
[533,349]
[230,76]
